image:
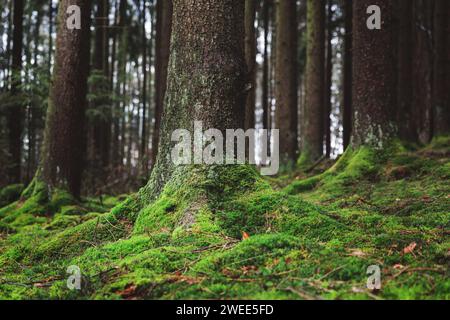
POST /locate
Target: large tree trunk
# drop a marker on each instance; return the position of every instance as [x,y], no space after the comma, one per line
[286,79]
[405,115]
[164,10]
[206,76]
[312,147]
[62,155]
[348,85]
[250,57]
[441,89]
[374,76]
[15,112]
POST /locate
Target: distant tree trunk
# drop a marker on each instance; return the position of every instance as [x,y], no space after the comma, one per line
[34,112]
[8,43]
[266,104]
[119,123]
[250,57]
[315,75]
[405,114]
[143,151]
[163,35]
[441,87]
[374,72]
[114,83]
[348,85]
[15,112]
[207,44]
[62,154]
[266,62]
[102,125]
[423,68]
[328,80]
[50,35]
[286,79]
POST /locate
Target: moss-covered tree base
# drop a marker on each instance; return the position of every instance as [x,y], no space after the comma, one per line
[225,233]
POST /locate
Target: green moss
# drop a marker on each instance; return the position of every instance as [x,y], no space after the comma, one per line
[10,194]
[188,243]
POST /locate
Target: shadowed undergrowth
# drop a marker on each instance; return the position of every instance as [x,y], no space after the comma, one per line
[224,232]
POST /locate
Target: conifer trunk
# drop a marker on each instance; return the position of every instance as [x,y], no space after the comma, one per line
[62,155]
[250,57]
[286,79]
[441,73]
[374,76]
[206,75]
[15,112]
[313,133]
[348,85]
[164,9]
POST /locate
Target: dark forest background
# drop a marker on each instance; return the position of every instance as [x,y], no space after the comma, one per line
[128,70]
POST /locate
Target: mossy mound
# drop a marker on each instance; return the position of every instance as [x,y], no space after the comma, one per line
[224,233]
[10,194]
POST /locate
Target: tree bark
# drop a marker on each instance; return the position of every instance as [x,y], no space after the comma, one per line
[374,76]
[313,132]
[405,114]
[164,10]
[143,151]
[441,88]
[15,112]
[348,85]
[286,79]
[62,155]
[206,76]
[250,57]
[423,68]
[328,80]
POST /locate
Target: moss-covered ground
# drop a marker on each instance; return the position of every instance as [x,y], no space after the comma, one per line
[234,235]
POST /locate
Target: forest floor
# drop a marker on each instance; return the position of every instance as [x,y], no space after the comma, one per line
[300,236]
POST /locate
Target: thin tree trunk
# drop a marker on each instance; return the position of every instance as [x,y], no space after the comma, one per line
[164,10]
[15,112]
[374,76]
[250,57]
[328,79]
[313,132]
[423,68]
[266,104]
[286,80]
[34,114]
[50,36]
[266,62]
[348,58]
[102,126]
[405,115]
[143,150]
[441,90]
[61,162]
